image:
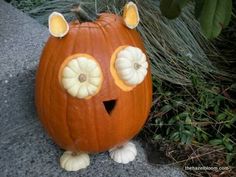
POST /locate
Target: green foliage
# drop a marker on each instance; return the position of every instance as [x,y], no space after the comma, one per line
[198,115]
[213,15]
[172,8]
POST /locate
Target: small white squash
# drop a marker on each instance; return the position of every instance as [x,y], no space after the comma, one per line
[124,154]
[82,77]
[74,161]
[131,65]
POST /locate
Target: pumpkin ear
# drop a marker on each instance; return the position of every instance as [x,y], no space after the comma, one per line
[58,26]
[131,15]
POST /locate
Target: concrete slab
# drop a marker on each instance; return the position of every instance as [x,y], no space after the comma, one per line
[22,39]
[25,149]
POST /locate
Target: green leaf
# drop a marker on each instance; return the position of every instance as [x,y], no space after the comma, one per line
[183,115]
[198,8]
[161,124]
[168,130]
[221,116]
[228,125]
[189,140]
[157,137]
[233,86]
[213,15]
[175,136]
[188,120]
[177,103]
[172,8]
[229,146]
[167,93]
[215,142]
[188,132]
[205,137]
[233,119]
[166,108]
[172,121]
[229,157]
[183,138]
[226,137]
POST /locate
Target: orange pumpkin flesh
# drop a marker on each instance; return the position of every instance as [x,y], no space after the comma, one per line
[85,124]
[130,15]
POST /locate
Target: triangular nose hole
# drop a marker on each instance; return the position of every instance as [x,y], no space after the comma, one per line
[109,105]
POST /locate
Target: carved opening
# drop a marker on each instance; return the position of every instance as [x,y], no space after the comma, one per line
[109,105]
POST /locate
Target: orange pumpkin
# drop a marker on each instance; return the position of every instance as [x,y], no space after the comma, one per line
[117,111]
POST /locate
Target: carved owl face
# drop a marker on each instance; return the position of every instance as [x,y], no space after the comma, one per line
[93,86]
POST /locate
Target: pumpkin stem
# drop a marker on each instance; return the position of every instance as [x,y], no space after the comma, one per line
[84,14]
[74,154]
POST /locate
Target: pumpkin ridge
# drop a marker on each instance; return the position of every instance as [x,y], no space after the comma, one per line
[53,79]
[41,80]
[90,50]
[43,88]
[108,41]
[59,62]
[66,114]
[148,74]
[110,50]
[67,124]
[131,37]
[134,35]
[94,120]
[116,27]
[48,85]
[95,117]
[81,127]
[76,41]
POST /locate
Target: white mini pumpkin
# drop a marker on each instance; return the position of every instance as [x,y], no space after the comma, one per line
[131,65]
[82,77]
[124,154]
[74,161]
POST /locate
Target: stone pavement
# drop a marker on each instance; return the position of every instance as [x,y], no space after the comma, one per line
[25,149]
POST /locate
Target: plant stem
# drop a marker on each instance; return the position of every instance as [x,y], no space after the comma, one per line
[84,15]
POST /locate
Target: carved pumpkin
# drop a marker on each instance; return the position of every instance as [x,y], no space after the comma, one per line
[93,84]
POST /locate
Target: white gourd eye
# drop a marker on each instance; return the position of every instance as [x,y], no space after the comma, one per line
[131,65]
[82,77]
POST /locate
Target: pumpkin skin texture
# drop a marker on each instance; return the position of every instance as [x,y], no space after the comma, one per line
[84,124]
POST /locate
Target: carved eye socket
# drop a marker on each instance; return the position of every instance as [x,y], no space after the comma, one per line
[82,77]
[131,65]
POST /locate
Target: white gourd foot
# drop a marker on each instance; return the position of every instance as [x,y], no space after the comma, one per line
[124,153]
[71,161]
